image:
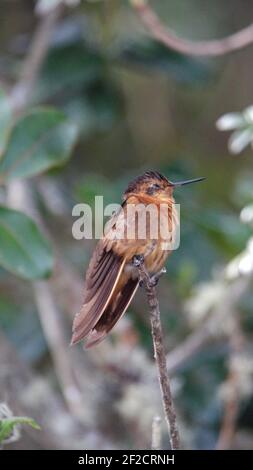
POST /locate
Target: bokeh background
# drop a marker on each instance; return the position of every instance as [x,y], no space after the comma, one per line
[137,106]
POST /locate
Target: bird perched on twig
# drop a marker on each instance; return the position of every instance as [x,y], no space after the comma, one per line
[112,278]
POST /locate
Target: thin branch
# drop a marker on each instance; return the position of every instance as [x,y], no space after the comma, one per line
[166,36]
[159,353]
[50,318]
[231,409]
[22,92]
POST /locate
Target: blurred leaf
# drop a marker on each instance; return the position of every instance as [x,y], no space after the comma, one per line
[23,249]
[96,110]
[41,139]
[19,322]
[78,74]
[7,425]
[68,68]
[5,120]
[155,56]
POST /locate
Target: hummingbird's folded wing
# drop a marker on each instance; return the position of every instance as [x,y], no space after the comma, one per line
[102,276]
[113,312]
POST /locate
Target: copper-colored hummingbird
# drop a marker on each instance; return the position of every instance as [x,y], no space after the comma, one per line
[111,278]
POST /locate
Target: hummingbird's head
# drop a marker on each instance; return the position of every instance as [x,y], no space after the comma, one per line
[154,184]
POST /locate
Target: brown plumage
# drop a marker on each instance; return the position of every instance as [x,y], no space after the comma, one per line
[111,278]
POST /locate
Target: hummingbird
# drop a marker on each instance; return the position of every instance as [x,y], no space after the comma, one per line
[112,277]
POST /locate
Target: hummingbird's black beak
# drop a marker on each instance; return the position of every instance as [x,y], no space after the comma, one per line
[182,183]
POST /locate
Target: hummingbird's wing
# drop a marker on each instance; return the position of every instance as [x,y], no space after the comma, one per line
[102,276]
[113,312]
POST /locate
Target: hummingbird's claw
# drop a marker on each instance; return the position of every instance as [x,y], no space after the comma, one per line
[138,260]
[153,281]
[155,278]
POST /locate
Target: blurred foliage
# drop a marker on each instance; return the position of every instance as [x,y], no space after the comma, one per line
[154,57]
[10,423]
[119,104]
[37,141]
[23,250]
[5,120]
[69,67]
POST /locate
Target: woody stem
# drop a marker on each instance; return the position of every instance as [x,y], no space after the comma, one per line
[211,48]
[159,353]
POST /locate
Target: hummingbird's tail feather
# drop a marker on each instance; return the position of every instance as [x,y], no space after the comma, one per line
[112,313]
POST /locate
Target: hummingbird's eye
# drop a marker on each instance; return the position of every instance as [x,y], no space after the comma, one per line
[153,188]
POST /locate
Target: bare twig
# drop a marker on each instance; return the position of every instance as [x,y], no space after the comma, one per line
[58,345]
[215,47]
[22,92]
[156,433]
[231,408]
[159,352]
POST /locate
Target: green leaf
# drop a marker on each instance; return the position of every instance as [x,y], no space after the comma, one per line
[7,425]
[23,249]
[69,68]
[41,139]
[5,120]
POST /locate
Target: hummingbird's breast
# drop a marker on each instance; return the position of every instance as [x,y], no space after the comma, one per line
[154,246]
[155,260]
[154,253]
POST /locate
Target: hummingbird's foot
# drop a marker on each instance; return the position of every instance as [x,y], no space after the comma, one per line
[155,278]
[138,260]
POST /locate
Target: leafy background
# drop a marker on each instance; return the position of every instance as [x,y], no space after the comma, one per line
[109,103]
